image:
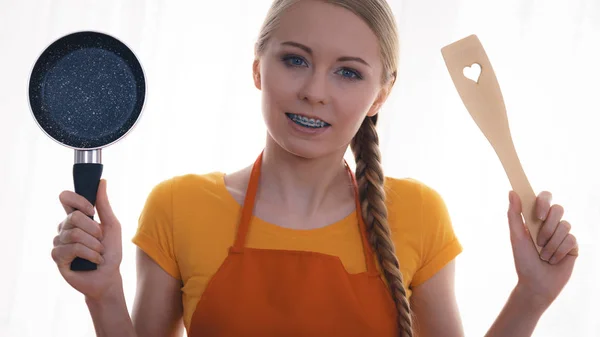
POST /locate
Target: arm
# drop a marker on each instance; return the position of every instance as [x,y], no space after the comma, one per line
[434,306]
[518,317]
[157,310]
[110,315]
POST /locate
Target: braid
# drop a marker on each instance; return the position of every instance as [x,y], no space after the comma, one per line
[370,179]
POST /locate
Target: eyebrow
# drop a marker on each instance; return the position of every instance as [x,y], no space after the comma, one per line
[309,51]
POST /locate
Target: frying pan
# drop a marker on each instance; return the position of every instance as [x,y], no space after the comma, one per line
[86,92]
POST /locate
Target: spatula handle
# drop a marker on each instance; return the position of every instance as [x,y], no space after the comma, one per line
[520,184]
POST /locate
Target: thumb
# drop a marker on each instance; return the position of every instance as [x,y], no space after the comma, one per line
[516,224]
[105,212]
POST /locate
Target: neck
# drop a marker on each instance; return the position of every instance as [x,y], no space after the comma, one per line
[302,185]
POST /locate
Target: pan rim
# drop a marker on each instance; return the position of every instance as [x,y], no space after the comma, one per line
[143,103]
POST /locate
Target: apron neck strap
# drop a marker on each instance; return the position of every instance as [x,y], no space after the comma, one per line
[248,210]
[248,207]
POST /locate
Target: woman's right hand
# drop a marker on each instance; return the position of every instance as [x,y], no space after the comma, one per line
[80,236]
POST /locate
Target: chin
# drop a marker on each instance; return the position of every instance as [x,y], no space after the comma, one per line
[303,151]
[303,148]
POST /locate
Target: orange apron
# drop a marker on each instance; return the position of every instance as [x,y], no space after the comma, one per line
[283,293]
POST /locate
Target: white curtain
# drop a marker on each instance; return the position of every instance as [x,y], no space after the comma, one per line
[203,114]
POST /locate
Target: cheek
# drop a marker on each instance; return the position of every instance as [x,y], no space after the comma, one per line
[277,85]
[352,102]
[278,95]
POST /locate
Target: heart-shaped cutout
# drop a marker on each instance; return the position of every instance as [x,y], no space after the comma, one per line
[473,72]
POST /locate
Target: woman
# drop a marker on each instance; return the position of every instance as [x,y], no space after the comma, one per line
[296,244]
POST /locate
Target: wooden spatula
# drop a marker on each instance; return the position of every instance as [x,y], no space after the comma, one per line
[476,82]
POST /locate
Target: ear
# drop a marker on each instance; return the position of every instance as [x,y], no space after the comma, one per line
[256,74]
[381,98]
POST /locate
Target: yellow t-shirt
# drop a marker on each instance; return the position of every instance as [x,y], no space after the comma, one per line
[189,222]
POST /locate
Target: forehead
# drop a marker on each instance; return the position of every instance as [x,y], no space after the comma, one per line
[327,29]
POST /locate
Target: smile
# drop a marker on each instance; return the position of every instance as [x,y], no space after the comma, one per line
[307,122]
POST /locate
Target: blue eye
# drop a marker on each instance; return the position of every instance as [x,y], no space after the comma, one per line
[349,74]
[294,61]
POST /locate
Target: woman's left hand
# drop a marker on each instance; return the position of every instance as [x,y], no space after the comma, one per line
[542,276]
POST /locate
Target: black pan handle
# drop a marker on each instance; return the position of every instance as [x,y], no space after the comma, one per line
[86,178]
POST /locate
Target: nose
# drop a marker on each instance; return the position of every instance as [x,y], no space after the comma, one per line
[314,90]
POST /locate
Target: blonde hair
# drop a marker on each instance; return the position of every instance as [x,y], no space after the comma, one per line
[365,144]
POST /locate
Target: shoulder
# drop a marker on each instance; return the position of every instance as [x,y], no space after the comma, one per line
[415,207]
[198,184]
[193,189]
[411,193]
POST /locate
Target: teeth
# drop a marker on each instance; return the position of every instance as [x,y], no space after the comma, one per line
[310,122]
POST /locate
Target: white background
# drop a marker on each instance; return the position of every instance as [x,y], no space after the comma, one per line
[203,114]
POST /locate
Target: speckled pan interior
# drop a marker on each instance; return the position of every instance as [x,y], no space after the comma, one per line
[87,90]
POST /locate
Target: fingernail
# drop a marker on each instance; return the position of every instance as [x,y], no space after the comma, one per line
[553,260]
[511,201]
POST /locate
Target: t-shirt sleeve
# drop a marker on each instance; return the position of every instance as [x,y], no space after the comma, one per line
[439,242]
[154,234]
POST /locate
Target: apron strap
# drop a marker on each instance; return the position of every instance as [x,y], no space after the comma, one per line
[248,207]
[248,210]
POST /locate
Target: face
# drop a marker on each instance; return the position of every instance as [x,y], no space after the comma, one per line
[320,76]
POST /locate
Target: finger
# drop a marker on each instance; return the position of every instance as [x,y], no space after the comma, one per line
[562,230]
[105,212]
[72,201]
[549,226]
[61,225]
[542,205]
[77,235]
[568,246]
[575,250]
[80,220]
[515,219]
[65,254]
